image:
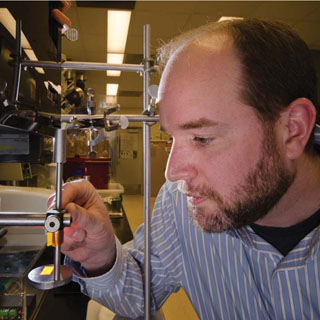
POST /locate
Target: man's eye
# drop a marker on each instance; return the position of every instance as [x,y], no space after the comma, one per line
[202,140]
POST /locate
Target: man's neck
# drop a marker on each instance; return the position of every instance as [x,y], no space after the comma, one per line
[301,200]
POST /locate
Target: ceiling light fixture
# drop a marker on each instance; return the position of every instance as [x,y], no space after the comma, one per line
[118,27]
[112,89]
[9,22]
[32,56]
[114,58]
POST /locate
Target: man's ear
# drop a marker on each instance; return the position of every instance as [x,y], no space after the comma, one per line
[297,123]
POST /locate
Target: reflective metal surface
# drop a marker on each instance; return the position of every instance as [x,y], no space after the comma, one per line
[31,219]
[43,277]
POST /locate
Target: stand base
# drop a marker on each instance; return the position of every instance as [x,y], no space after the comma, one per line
[43,277]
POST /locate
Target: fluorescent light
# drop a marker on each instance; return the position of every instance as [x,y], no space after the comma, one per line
[112,89]
[114,58]
[111,100]
[32,56]
[113,73]
[30,53]
[118,27]
[9,22]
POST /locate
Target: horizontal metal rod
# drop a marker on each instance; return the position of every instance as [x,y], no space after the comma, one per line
[73,65]
[72,117]
[34,219]
[19,219]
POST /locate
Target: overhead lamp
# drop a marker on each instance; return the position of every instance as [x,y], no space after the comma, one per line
[114,58]
[9,22]
[112,89]
[32,56]
[111,100]
[118,28]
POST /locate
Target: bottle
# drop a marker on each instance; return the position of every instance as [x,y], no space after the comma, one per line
[76,176]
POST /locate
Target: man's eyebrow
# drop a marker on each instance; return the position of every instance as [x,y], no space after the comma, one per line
[194,124]
[199,123]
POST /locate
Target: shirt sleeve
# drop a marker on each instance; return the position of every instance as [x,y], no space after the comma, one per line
[122,288]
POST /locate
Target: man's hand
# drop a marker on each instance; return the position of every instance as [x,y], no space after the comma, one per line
[90,239]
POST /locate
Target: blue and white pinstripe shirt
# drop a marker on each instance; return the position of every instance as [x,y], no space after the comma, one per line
[231,275]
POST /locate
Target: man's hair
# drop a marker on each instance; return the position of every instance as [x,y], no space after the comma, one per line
[277,65]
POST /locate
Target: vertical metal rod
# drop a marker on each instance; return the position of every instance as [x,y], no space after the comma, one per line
[57,262]
[147,177]
[59,158]
[17,69]
[24,299]
[59,175]
[91,139]
[57,249]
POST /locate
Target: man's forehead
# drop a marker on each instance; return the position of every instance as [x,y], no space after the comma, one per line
[202,55]
[199,81]
[207,44]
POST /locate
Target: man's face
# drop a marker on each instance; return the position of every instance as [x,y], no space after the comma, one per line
[228,163]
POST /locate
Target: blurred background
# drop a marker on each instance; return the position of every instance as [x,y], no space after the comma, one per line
[104,31]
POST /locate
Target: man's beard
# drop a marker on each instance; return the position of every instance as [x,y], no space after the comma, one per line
[263,187]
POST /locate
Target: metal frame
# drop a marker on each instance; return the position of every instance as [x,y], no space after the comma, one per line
[72,117]
[146,68]
[147,173]
[72,65]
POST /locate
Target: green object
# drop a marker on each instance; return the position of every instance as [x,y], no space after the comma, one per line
[13,313]
[4,313]
[26,170]
[6,284]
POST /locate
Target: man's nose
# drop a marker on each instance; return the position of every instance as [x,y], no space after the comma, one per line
[179,165]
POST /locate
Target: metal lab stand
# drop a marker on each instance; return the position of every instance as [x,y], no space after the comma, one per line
[54,221]
[147,118]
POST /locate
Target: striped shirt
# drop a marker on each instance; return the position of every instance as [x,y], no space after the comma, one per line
[229,275]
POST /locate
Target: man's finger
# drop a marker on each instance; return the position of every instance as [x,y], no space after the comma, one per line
[81,192]
[80,216]
[75,233]
[51,201]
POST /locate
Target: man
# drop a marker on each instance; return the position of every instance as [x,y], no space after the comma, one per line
[236,225]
